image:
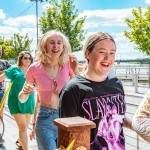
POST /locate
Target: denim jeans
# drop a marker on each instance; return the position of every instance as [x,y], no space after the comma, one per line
[1,96]
[46,130]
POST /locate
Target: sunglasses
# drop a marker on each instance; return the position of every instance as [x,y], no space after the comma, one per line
[25,58]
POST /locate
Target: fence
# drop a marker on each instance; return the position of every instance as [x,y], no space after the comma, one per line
[135,73]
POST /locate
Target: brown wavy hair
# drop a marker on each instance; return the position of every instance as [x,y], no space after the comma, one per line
[21,55]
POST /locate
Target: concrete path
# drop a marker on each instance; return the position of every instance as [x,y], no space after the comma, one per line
[11,135]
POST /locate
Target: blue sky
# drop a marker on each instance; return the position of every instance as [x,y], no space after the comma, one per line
[18,16]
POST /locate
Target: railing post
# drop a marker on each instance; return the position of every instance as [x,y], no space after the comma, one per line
[137,142]
[77,128]
[135,80]
[132,76]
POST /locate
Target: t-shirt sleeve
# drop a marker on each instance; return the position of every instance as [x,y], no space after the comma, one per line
[69,103]
[118,84]
[29,74]
[9,72]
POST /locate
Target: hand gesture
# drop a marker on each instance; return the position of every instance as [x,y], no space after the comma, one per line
[28,89]
[73,63]
[32,134]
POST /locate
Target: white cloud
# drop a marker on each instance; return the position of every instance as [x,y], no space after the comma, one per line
[109,17]
[125,48]
[8,31]
[29,20]
[147,1]
[32,34]
[2,14]
[21,25]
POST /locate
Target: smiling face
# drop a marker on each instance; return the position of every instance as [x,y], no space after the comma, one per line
[102,57]
[54,46]
[26,60]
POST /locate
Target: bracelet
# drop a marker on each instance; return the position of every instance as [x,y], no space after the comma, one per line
[33,124]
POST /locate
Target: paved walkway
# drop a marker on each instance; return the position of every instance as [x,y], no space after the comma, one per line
[11,132]
[11,135]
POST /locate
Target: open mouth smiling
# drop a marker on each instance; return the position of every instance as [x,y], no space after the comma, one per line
[105,64]
[55,51]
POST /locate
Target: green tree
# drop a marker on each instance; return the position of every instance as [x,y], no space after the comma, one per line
[63,16]
[15,45]
[7,49]
[20,43]
[139,29]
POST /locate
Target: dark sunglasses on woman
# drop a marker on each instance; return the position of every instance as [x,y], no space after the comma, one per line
[25,58]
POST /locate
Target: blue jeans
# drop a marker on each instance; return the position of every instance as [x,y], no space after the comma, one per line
[46,130]
[1,96]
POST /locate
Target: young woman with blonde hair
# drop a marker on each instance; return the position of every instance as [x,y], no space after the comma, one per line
[54,68]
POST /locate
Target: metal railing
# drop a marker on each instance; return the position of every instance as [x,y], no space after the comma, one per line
[134,73]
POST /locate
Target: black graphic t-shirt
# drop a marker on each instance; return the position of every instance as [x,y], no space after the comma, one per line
[101,102]
[3,65]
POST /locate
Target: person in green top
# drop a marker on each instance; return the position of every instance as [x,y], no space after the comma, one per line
[21,112]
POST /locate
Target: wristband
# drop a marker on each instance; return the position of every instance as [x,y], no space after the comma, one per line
[33,124]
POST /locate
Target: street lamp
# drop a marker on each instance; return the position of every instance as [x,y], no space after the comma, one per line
[37,23]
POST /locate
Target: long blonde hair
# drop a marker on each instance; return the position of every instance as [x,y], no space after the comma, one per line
[42,55]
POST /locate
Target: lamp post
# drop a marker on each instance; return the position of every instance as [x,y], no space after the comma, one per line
[37,31]
[37,23]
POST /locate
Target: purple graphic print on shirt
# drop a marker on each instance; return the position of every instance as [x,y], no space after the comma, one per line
[109,110]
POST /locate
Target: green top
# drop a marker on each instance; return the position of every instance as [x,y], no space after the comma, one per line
[16,75]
